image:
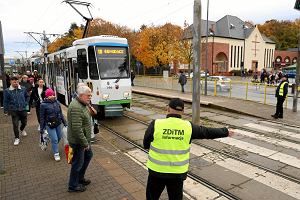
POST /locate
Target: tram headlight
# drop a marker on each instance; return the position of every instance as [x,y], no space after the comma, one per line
[105,96]
[126,94]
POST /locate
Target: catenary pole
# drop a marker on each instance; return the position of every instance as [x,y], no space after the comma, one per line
[206,51]
[295,97]
[296,93]
[2,60]
[196,61]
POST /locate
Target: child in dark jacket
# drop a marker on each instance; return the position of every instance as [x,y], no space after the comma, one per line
[51,120]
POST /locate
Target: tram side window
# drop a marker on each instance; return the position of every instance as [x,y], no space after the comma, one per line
[92,64]
[82,64]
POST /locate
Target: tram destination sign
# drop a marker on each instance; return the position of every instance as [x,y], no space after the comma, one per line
[111,51]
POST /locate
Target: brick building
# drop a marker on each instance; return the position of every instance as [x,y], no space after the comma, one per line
[285,58]
[234,45]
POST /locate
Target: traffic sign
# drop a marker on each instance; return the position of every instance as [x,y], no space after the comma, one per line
[297,5]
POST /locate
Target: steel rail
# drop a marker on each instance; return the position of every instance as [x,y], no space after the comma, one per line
[288,177]
[193,176]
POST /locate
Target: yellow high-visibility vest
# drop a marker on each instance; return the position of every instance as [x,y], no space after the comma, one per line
[281,88]
[170,150]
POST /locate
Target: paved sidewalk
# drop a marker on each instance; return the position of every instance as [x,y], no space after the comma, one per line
[27,172]
[231,104]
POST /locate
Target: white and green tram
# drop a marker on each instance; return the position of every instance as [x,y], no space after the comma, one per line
[102,62]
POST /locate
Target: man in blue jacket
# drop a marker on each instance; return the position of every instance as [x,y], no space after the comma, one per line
[15,103]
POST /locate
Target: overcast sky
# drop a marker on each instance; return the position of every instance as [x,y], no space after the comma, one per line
[53,16]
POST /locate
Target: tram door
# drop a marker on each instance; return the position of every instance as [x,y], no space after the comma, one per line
[71,80]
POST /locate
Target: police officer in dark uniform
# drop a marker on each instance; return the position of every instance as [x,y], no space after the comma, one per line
[169,141]
[281,93]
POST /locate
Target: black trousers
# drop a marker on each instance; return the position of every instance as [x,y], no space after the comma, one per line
[155,187]
[279,106]
[182,88]
[37,111]
[1,98]
[17,116]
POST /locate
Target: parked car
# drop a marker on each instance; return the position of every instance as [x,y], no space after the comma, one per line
[202,74]
[223,83]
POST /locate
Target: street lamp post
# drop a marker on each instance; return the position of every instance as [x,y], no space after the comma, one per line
[243,62]
[212,52]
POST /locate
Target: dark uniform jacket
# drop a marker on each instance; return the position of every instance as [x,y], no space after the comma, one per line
[285,89]
[182,79]
[198,132]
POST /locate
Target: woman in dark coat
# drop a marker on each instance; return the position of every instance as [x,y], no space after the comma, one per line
[38,93]
[52,120]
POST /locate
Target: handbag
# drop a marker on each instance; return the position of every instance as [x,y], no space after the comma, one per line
[69,153]
[53,122]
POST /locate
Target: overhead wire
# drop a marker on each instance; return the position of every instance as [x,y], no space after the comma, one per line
[173,12]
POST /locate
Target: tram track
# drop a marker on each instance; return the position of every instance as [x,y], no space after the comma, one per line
[140,119]
[191,175]
[288,177]
[276,136]
[230,155]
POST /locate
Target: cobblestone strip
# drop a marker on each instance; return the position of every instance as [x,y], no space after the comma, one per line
[130,184]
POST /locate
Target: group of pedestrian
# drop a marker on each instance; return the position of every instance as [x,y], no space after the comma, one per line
[168,140]
[51,119]
[270,77]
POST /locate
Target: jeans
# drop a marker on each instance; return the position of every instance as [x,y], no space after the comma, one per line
[55,136]
[80,162]
[156,185]
[15,117]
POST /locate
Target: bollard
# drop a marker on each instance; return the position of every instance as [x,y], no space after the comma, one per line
[230,87]
[265,95]
[247,91]
[215,88]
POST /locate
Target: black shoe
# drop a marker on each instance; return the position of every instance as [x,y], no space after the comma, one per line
[79,188]
[274,116]
[280,117]
[85,182]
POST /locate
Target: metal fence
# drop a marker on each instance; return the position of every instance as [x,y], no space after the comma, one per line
[262,93]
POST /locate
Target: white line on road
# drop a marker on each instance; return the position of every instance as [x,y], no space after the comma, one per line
[268,139]
[275,155]
[288,187]
[273,130]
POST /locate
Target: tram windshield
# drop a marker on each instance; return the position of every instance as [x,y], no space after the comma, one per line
[113,62]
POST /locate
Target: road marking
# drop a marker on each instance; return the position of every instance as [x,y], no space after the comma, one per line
[288,187]
[268,139]
[272,130]
[275,155]
[281,125]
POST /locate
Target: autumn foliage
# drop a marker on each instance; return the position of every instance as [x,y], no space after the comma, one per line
[160,46]
[284,33]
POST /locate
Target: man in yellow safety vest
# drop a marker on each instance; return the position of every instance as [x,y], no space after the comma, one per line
[169,142]
[281,93]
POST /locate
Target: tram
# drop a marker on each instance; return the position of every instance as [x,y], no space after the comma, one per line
[102,63]
[290,70]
